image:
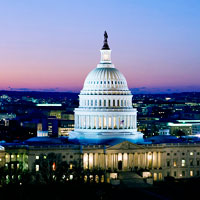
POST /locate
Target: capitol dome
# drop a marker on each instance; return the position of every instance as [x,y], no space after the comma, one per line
[105,104]
[105,79]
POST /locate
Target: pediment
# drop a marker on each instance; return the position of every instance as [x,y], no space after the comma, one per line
[126,145]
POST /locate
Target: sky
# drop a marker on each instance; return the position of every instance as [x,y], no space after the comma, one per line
[51,45]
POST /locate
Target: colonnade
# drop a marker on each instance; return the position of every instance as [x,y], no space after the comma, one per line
[105,102]
[105,122]
[123,161]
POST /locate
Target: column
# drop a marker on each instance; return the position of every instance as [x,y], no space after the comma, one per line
[107,122]
[112,122]
[157,164]
[152,161]
[98,160]
[84,121]
[97,122]
[117,120]
[106,160]
[94,160]
[116,161]
[145,160]
[131,122]
[135,121]
[79,121]
[128,161]
[101,122]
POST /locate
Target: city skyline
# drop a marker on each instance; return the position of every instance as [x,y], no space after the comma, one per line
[50,46]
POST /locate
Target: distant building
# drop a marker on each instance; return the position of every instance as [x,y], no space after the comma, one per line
[164,132]
[180,129]
[54,127]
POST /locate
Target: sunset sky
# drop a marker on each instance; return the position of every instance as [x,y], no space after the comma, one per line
[53,44]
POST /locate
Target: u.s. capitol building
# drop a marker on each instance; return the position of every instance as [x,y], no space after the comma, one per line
[106,137]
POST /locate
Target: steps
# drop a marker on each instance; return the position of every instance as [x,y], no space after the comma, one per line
[131,180]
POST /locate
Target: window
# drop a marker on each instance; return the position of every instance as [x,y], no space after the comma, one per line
[71,156]
[191,162]
[37,157]
[91,102]
[37,168]
[191,173]
[191,153]
[168,163]
[104,103]
[198,162]
[118,103]
[175,173]
[121,102]
[183,163]
[109,103]
[174,154]
[183,173]
[99,102]
[168,154]
[175,164]
[198,173]
[95,102]
[70,166]
[183,154]
[113,102]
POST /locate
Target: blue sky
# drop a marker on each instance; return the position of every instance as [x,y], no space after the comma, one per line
[54,44]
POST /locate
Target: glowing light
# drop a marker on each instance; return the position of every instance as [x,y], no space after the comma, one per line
[54,166]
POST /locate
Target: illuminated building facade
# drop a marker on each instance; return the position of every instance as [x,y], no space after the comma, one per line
[155,161]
